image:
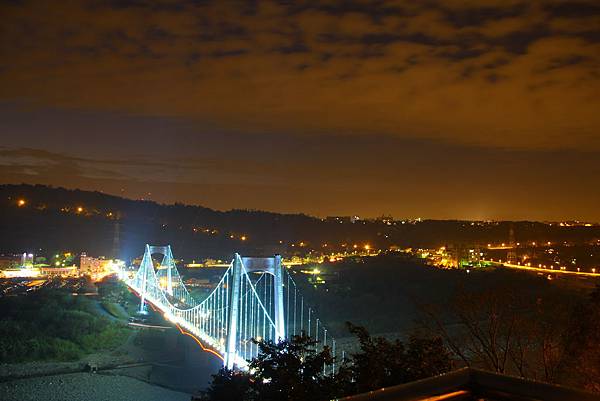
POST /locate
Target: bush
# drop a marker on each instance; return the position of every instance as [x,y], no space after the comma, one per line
[53,325]
[114,310]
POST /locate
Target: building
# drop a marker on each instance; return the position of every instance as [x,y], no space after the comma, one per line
[67,271]
[92,266]
[10,261]
[20,273]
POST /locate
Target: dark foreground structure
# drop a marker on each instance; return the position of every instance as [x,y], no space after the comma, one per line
[471,384]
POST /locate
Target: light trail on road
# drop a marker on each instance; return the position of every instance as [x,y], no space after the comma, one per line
[542,270]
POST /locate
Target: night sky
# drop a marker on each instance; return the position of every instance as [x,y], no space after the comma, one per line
[485,109]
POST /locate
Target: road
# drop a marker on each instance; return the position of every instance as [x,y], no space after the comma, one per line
[543,270]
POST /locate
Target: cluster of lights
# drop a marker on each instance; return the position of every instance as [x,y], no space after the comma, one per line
[242,237]
[78,209]
[545,267]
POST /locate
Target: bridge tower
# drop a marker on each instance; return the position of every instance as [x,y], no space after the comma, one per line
[144,268]
[168,261]
[230,350]
[241,267]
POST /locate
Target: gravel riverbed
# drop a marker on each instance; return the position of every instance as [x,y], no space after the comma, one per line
[86,387]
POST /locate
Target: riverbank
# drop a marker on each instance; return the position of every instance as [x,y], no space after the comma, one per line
[100,361]
[86,387]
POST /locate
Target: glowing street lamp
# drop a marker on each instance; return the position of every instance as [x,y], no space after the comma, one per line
[21,202]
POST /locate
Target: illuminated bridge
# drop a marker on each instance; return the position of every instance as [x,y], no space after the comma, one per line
[255,299]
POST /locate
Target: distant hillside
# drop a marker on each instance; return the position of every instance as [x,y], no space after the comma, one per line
[50,219]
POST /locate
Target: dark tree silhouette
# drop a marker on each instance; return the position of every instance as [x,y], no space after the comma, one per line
[296,369]
[293,370]
[383,363]
[583,368]
[229,385]
[289,370]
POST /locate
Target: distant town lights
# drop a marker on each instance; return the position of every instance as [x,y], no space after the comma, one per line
[21,202]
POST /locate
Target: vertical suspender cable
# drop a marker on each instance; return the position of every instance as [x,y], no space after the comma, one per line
[325,345]
[246,294]
[287,313]
[333,354]
[301,314]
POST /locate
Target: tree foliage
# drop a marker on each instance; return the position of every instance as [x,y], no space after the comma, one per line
[293,369]
[582,347]
[53,325]
[383,363]
[297,369]
[538,336]
[229,384]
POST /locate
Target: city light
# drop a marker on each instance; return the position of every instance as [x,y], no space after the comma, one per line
[21,202]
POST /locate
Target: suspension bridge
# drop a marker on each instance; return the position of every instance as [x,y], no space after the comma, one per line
[255,299]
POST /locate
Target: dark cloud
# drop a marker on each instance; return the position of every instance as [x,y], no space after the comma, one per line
[228,53]
[485,76]
[572,9]
[478,15]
